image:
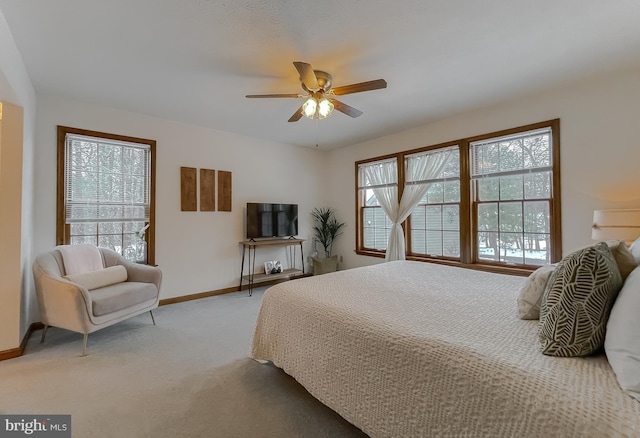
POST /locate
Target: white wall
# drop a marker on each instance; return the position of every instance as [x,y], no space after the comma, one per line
[600,151]
[17,304]
[197,251]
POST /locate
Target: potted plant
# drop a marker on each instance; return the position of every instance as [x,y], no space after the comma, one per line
[326,228]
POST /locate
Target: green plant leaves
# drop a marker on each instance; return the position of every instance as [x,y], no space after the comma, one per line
[326,227]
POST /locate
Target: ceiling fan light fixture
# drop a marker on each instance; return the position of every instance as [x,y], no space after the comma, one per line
[309,107]
[325,108]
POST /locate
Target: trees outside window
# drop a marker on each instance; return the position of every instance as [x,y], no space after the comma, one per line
[494,206]
[435,221]
[375,224]
[106,192]
[512,190]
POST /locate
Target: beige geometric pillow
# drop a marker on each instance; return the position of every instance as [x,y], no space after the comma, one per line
[624,258]
[530,296]
[577,302]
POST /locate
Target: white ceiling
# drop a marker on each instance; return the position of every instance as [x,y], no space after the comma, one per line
[195,60]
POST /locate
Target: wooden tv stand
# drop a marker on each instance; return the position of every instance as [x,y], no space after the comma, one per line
[287,274]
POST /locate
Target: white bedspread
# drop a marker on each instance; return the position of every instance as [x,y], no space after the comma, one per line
[410,349]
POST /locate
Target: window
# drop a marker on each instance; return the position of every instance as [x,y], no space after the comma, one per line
[106,192]
[376,226]
[435,221]
[495,204]
[511,179]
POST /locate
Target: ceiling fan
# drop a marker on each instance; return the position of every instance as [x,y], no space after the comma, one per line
[320,100]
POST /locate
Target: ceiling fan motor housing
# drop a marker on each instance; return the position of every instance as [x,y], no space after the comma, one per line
[324,81]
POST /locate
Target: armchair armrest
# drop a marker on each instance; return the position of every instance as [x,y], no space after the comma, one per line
[62,303]
[143,273]
[135,271]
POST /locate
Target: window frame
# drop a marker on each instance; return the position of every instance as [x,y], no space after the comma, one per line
[468,206]
[462,210]
[360,249]
[63,229]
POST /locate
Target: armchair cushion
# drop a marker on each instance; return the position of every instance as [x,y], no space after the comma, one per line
[120,296]
[100,278]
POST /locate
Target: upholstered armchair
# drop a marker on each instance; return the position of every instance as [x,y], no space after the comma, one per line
[84,288]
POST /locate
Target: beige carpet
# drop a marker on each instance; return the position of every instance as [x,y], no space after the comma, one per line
[189,376]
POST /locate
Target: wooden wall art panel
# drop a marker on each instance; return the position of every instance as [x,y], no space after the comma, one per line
[224,190]
[188,189]
[207,190]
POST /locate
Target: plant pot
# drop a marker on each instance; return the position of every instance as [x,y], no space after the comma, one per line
[324,265]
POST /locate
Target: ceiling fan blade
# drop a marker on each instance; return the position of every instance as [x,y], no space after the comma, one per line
[272,95]
[307,76]
[344,108]
[296,116]
[362,86]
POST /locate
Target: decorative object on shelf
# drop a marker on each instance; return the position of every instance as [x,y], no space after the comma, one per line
[140,245]
[272,267]
[326,228]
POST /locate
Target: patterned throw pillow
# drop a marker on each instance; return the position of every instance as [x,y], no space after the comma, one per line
[577,302]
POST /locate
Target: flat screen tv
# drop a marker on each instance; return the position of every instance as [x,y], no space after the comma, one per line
[271,220]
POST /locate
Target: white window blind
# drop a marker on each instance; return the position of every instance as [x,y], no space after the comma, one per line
[106,180]
[520,153]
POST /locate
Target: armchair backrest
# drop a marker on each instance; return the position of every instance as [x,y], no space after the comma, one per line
[52,263]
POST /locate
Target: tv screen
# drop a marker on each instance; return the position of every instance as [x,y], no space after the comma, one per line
[271,220]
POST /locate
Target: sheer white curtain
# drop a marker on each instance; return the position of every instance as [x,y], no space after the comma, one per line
[383,179]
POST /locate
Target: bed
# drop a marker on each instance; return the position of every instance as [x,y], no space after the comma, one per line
[411,349]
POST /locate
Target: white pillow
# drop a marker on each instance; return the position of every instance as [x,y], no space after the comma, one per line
[635,249]
[530,296]
[622,340]
[100,278]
